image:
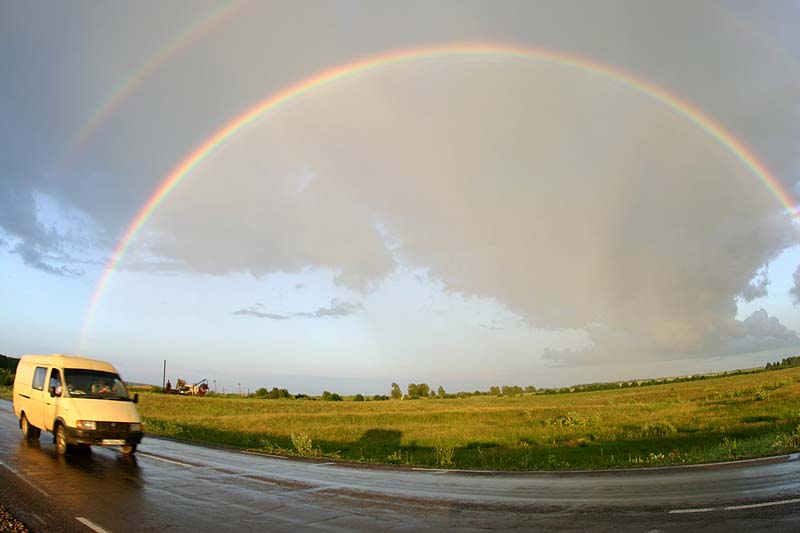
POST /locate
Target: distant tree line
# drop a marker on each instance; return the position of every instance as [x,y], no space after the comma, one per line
[786,362]
[327,396]
[8,367]
[9,363]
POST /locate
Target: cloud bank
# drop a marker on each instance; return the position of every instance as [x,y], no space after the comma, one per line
[574,202]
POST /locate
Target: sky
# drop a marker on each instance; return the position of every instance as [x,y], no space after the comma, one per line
[464,220]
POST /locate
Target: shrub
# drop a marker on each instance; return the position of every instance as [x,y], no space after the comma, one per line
[572,419]
[303,444]
[658,429]
[788,442]
[331,397]
[444,454]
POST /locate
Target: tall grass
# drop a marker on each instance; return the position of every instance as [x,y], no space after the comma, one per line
[681,423]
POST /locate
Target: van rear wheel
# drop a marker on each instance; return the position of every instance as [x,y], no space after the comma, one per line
[29,432]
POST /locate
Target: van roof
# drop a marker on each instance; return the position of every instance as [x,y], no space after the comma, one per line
[68,361]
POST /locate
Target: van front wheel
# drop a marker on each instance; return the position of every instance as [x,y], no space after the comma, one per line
[129,449]
[61,440]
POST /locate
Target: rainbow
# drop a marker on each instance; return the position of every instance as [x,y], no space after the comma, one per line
[326,77]
[164,54]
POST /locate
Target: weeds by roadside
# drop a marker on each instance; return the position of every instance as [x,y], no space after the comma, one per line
[9,524]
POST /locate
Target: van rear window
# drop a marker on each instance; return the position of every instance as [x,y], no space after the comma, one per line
[38,378]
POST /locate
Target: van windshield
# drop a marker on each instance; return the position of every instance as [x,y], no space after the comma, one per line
[83,383]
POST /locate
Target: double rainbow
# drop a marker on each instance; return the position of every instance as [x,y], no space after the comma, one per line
[679,106]
[166,53]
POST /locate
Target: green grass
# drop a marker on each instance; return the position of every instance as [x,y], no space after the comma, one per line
[684,423]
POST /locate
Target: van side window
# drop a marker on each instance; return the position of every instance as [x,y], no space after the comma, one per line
[55,381]
[38,378]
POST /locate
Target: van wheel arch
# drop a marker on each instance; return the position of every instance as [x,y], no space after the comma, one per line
[29,431]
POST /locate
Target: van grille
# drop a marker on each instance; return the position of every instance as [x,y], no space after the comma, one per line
[112,426]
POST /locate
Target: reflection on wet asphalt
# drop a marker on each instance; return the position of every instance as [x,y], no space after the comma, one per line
[171,485]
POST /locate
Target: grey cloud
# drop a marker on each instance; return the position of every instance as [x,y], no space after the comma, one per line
[338,308]
[32,257]
[760,325]
[759,331]
[795,290]
[259,314]
[35,244]
[758,287]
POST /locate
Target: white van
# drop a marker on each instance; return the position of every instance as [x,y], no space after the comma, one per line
[83,402]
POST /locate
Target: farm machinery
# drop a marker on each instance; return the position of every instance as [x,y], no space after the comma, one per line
[181,387]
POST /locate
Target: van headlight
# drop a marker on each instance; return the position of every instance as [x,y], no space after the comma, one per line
[86,425]
[135,426]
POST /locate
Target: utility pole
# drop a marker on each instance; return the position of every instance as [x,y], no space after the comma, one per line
[164,377]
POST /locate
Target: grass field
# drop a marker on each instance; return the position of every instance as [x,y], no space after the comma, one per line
[683,423]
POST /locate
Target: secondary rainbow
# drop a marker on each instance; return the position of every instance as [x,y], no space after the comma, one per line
[114,100]
[681,107]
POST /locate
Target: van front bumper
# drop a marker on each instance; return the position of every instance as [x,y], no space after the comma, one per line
[100,436]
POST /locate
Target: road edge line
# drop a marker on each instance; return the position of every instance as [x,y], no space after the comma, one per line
[91,525]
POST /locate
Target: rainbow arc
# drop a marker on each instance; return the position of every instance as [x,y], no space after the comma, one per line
[692,114]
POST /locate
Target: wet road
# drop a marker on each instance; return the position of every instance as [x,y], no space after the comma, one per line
[180,487]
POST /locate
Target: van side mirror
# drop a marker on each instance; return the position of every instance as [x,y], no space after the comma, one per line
[136,398]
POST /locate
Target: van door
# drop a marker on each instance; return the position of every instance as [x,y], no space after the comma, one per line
[36,411]
[52,397]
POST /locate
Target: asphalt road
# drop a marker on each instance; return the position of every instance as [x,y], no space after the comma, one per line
[170,486]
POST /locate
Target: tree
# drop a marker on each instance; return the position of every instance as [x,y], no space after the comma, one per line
[441,392]
[331,397]
[413,390]
[424,390]
[358,398]
[494,390]
[530,388]
[396,392]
